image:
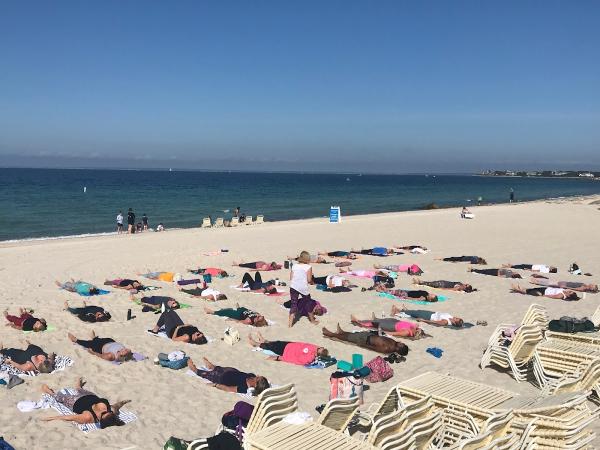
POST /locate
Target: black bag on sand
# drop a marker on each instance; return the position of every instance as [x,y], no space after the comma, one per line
[571,325]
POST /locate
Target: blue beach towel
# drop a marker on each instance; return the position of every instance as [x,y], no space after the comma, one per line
[100,292]
[437,352]
[441,298]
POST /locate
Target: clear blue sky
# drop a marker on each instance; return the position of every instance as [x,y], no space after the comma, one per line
[333,85]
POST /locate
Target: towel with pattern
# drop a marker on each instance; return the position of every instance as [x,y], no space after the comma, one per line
[60,363]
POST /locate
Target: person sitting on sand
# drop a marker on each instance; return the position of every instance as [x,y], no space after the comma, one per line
[32,359]
[300,353]
[342,254]
[241,315]
[259,265]
[25,321]
[257,285]
[550,292]
[157,303]
[87,406]
[229,379]
[469,259]
[369,340]
[306,307]
[105,348]
[432,318]
[89,313]
[541,268]
[377,251]
[80,287]
[125,283]
[407,294]
[502,273]
[448,285]
[391,326]
[410,269]
[176,330]
[204,292]
[212,271]
[572,285]
[464,212]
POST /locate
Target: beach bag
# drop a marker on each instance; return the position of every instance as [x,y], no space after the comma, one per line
[231,336]
[5,445]
[414,270]
[238,418]
[222,441]
[173,361]
[571,325]
[387,281]
[344,386]
[380,370]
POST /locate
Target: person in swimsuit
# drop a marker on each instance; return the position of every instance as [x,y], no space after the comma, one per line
[229,379]
[145,222]
[550,292]
[204,292]
[256,284]
[391,326]
[408,294]
[176,330]
[443,284]
[339,254]
[300,353]
[80,287]
[469,259]
[157,302]
[572,285]
[125,283]
[105,348]
[241,315]
[32,359]
[212,271]
[89,313]
[87,406]
[368,339]
[259,265]
[25,321]
[532,267]
[432,318]
[130,221]
[502,273]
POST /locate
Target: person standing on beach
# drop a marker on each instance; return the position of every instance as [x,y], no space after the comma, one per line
[130,221]
[236,212]
[145,222]
[512,195]
[120,222]
[300,277]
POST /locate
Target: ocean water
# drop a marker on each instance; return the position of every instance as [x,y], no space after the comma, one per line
[39,203]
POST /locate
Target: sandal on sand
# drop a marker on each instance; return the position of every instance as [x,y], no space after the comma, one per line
[483,323]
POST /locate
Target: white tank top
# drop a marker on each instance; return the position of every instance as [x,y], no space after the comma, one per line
[299,281]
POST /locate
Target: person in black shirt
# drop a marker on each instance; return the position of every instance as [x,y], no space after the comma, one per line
[176,330]
[130,221]
[145,222]
[25,321]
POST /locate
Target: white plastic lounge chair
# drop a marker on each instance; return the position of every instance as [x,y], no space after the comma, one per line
[338,413]
[218,223]
[235,221]
[259,219]
[206,223]
[248,220]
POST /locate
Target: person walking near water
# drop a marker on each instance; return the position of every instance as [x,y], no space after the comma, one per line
[512,195]
[131,221]
[120,222]
[145,222]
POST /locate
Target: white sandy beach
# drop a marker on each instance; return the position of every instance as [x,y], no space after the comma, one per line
[168,402]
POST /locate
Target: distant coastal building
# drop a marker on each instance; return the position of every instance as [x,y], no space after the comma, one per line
[544,173]
[586,174]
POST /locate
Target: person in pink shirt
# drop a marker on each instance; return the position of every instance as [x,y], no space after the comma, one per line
[300,353]
[391,326]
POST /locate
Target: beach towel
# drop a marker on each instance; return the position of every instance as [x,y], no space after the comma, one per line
[136,357]
[48,401]
[100,292]
[441,298]
[248,395]
[60,363]
[162,334]
[49,327]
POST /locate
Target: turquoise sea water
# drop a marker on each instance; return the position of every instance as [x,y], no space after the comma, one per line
[36,203]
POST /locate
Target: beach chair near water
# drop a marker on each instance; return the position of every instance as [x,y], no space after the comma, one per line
[259,220]
[248,220]
[218,223]
[206,223]
[235,221]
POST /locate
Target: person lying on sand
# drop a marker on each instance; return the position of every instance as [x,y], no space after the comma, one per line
[259,265]
[306,307]
[229,379]
[105,348]
[125,283]
[167,277]
[532,267]
[407,294]
[432,318]
[410,269]
[241,315]
[331,281]
[369,340]
[572,285]
[300,353]
[32,359]
[80,287]
[87,406]
[312,259]
[205,293]
[157,302]
[469,259]
[369,273]
[502,273]
[342,254]
[377,251]
[256,284]
[89,313]
[212,271]
[415,249]
[443,284]
[391,326]
[177,330]
[25,321]
[550,292]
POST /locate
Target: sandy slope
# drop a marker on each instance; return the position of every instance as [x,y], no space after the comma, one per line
[170,403]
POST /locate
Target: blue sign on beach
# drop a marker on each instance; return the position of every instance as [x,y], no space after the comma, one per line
[335,214]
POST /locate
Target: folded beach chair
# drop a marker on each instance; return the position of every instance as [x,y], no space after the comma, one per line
[218,223]
[390,403]
[338,413]
[496,428]
[517,356]
[259,219]
[206,223]
[457,426]
[235,221]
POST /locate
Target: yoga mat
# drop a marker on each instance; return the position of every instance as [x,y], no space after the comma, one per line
[441,298]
